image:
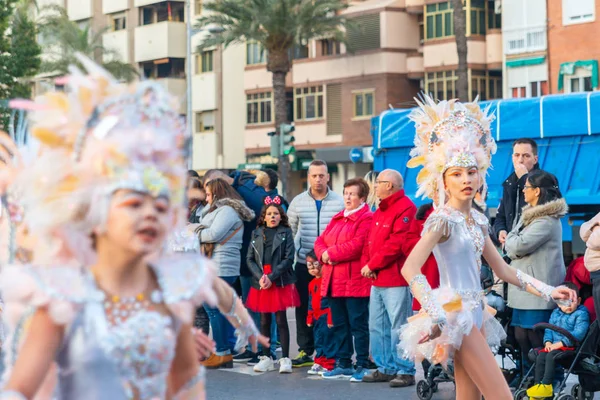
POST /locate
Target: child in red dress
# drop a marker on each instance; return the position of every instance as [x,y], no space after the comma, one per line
[271,259]
[319,316]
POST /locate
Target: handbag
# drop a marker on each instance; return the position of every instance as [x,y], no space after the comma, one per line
[208,249]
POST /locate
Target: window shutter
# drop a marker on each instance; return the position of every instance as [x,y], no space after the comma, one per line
[334,109]
[366,35]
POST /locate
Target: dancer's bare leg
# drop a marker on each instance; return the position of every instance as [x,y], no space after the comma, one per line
[465,387]
[477,360]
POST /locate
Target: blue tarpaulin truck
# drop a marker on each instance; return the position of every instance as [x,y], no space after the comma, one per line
[566,128]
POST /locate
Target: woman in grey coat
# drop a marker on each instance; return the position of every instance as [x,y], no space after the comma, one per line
[535,247]
[220,230]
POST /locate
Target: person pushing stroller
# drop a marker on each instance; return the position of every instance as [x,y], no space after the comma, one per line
[573,318]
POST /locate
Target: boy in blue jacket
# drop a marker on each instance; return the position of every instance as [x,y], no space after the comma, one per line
[575,319]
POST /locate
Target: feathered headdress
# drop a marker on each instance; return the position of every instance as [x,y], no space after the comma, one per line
[97,137]
[449,134]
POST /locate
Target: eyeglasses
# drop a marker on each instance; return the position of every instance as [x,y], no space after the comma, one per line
[379,182]
[528,187]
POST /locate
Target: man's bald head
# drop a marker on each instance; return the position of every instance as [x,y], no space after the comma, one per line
[388,182]
[393,176]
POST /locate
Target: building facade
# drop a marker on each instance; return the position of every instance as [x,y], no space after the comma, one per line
[572,45]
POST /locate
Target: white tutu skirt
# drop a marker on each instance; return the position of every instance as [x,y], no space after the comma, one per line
[463,314]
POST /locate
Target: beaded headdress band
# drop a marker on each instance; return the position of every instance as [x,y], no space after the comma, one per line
[449,134]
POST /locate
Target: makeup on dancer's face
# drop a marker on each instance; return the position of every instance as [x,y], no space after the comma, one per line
[462,182]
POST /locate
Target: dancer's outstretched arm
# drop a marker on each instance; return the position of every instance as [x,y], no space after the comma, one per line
[522,280]
[232,308]
[411,271]
[36,357]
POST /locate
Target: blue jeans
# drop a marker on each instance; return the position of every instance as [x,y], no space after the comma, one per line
[350,317]
[223,331]
[246,283]
[325,345]
[389,309]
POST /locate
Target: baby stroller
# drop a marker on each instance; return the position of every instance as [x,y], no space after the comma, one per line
[583,361]
[436,374]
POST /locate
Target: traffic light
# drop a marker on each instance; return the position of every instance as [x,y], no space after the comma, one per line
[274,144]
[286,140]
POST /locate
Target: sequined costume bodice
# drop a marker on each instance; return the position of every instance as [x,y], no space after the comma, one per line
[459,257]
[124,352]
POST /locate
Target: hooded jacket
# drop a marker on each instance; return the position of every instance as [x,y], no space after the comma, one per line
[344,240]
[220,224]
[535,248]
[590,233]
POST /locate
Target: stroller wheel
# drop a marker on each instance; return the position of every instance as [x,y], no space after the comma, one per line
[565,396]
[520,394]
[579,394]
[424,391]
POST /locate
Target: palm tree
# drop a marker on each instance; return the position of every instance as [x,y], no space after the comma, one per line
[64,38]
[278,26]
[460,31]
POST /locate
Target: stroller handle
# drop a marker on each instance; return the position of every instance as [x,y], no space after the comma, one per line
[543,326]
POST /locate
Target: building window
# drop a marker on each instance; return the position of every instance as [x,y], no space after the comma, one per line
[478,17]
[205,121]
[539,88]
[421,28]
[494,90]
[494,20]
[518,92]
[578,11]
[198,7]
[330,47]
[580,82]
[363,103]
[442,85]
[166,11]
[298,52]
[308,103]
[259,108]
[204,62]
[478,85]
[438,20]
[255,53]
[367,36]
[164,68]
[118,22]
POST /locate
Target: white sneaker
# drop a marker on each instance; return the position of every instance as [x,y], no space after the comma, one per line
[316,369]
[285,366]
[265,364]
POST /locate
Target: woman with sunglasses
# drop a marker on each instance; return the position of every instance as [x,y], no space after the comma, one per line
[535,247]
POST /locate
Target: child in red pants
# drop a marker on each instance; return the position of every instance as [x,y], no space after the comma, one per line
[319,316]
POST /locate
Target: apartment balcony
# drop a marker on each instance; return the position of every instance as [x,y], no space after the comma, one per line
[176,87]
[414,65]
[113,6]
[78,10]
[161,40]
[444,54]
[527,40]
[117,41]
[141,3]
[415,6]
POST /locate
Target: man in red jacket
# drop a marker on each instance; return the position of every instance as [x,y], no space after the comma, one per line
[391,300]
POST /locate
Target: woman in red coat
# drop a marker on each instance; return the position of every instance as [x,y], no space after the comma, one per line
[340,249]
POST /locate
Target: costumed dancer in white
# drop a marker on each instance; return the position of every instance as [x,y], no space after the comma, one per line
[454,146]
[113,311]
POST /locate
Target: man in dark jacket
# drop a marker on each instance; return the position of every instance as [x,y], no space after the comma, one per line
[525,160]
